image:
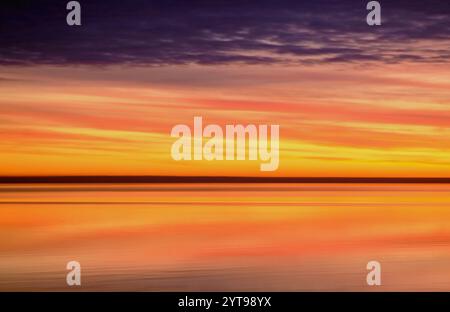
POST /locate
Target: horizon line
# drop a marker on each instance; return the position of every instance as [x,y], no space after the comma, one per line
[98,179]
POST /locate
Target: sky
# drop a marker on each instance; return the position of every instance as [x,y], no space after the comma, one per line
[102,98]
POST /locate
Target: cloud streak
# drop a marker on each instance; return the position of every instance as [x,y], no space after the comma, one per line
[223,32]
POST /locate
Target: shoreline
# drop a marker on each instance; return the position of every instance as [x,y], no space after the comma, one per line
[210,179]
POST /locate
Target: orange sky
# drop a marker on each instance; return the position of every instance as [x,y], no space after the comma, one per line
[335,120]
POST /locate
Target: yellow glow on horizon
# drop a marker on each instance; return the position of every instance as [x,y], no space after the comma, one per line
[98,121]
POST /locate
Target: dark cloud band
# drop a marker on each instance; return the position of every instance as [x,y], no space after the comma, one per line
[222,32]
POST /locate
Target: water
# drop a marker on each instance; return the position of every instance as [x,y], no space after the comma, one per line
[225,236]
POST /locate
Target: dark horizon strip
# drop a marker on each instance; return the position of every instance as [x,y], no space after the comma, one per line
[206,179]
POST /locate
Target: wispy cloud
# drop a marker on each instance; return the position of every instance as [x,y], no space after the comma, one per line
[223,32]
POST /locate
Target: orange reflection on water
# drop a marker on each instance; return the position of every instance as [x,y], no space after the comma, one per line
[225,236]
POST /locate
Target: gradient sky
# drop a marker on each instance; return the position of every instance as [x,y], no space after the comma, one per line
[351,100]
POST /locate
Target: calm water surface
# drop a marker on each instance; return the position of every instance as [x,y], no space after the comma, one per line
[225,236]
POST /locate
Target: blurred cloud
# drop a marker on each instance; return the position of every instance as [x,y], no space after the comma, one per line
[223,32]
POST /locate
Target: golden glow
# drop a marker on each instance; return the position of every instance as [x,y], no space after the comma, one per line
[390,120]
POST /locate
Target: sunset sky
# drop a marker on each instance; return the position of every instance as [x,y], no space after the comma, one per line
[102,98]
